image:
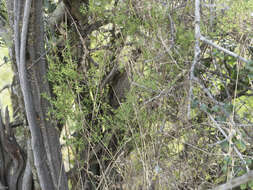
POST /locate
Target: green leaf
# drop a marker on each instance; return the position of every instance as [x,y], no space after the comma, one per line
[241,172]
[227,159]
[249,65]
[241,145]
[216,108]
[194,103]
[224,145]
[248,161]
[250,75]
[203,107]
[224,168]
[228,108]
[243,186]
[251,184]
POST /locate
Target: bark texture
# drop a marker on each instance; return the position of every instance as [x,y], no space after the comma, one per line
[12,158]
[41,153]
[28,55]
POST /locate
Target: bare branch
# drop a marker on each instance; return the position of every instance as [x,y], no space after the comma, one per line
[197,52]
[227,138]
[236,181]
[209,42]
[172,30]
[207,91]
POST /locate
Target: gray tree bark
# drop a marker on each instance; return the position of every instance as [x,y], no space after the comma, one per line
[29,57]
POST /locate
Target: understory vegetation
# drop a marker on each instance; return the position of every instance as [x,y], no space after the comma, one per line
[140,93]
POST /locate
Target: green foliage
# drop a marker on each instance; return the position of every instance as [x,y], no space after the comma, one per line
[65,82]
[249,67]
[98,9]
[236,16]
[185,37]
[5,78]
[49,6]
[3,12]
[151,119]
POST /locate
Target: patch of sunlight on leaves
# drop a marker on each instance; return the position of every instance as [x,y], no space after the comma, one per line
[177,145]
[246,105]
[67,151]
[5,79]
[251,184]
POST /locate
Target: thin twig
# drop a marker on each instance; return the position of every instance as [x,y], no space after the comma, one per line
[5,87]
[227,137]
[39,58]
[172,30]
[207,92]
[109,77]
[143,87]
[86,52]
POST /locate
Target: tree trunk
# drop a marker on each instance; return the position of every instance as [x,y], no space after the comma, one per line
[31,66]
[28,55]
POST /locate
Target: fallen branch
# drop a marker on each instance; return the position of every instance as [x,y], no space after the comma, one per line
[236,181]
